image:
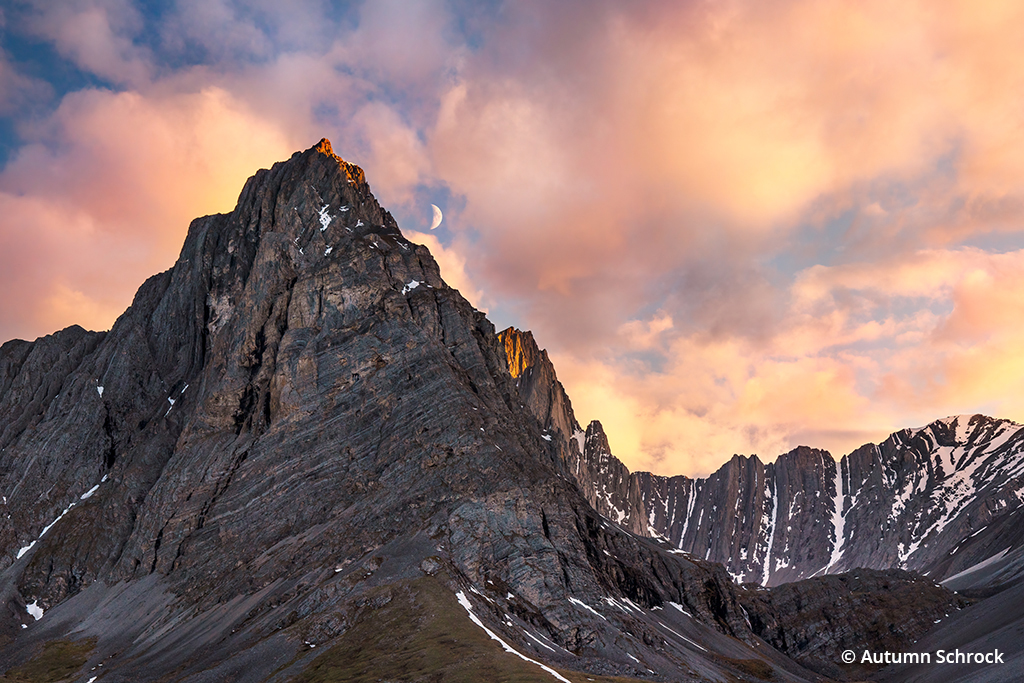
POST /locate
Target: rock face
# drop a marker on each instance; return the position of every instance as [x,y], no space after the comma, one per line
[936,500]
[762,521]
[538,387]
[298,430]
[602,477]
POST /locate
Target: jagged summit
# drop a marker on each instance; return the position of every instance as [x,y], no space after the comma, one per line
[521,350]
[353,173]
[964,425]
[299,437]
[296,426]
[324,147]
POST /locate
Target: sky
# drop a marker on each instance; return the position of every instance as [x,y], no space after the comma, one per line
[736,226]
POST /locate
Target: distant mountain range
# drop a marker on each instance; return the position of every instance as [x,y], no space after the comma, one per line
[937,500]
[301,456]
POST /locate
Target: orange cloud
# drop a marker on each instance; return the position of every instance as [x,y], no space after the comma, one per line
[105,200]
[735,225]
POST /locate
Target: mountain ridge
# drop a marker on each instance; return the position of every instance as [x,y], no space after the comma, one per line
[732,516]
[299,429]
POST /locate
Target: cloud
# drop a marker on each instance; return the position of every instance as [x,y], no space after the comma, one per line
[18,91]
[736,226]
[391,153]
[96,35]
[732,120]
[453,267]
[218,29]
[861,351]
[104,198]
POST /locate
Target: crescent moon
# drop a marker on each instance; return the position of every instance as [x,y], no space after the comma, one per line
[437,217]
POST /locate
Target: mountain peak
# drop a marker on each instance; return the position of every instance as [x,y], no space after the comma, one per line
[963,420]
[324,147]
[353,173]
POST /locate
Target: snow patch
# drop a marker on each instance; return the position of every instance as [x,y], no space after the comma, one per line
[691,500]
[838,518]
[981,565]
[771,536]
[411,285]
[99,390]
[49,526]
[325,217]
[680,608]
[680,635]
[464,601]
[35,610]
[537,640]
[580,603]
[580,437]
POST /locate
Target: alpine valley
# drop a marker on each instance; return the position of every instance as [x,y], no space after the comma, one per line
[300,456]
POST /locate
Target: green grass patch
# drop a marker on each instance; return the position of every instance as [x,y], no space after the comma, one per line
[59,660]
[423,635]
[753,667]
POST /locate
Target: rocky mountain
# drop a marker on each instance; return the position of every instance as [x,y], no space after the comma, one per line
[300,455]
[939,500]
[935,500]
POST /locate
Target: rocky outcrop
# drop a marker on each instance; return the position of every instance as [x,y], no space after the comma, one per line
[815,620]
[607,483]
[541,393]
[587,457]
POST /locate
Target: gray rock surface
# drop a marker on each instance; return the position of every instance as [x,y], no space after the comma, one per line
[603,479]
[992,624]
[815,620]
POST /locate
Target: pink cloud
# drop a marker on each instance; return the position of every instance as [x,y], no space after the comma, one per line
[18,90]
[632,179]
[97,36]
[104,199]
